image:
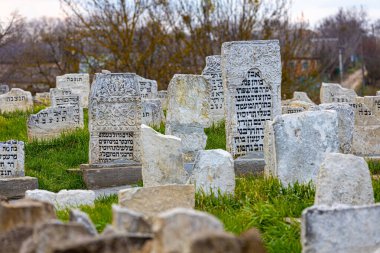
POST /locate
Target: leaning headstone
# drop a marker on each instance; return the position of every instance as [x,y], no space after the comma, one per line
[78,83]
[16,100]
[13,182]
[188,112]
[152,113]
[163,96]
[354,186]
[66,97]
[213,74]
[213,172]
[335,93]
[4,89]
[340,229]
[161,156]
[296,145]
[251,73]
[172,229]
[152,200]
[50,123]
[148,88]
[115,127]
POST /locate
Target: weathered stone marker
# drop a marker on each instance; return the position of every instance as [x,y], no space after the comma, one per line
[335,93]
[13,182]
[251,72]
[16,100]
[65,97]
[213,74]
[152,113]
[42,98]
[114,124]
[340,229]
[148,88]
[78,83]
[4,89]
[163,96]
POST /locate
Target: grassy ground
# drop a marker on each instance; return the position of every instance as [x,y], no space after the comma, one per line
[258,202]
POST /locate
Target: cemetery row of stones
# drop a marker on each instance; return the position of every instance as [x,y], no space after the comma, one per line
[294,141]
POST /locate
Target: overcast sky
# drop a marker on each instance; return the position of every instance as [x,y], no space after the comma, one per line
[313,10]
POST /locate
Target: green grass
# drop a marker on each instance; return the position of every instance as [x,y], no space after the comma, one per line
[257,202]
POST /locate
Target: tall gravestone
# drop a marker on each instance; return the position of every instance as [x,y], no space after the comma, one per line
[213,74]
[16,100]
[78,83]
[4,88]
[65,97]
[251,72]
[148,88]
[13,182]
[115,126]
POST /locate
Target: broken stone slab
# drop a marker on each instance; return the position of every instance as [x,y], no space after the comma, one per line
[213,172]
[173,228]
[100,176]
[335,93]
[354,184]
[152,200]
[212,242]
[83,219]
[249,164]
[16,100]
[340,229]
[48,235]
[127,220]
[162,161]
[366,141]
[15,188]
[24,213]
[64,198]
[302,96]
[297,145]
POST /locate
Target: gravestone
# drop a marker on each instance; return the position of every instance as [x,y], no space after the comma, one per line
[213,74]
[42,98]
[115,126]
[291,109]
[4,88]
[163,96]
[13,182]
[296,145]
[251,72]
[341,229]
[65,97]
[51,122]
[152,113]
[16,100]
[188,112]
[78,83]
[335,93]
[148,88]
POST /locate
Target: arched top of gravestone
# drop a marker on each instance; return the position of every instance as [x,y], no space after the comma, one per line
[115,85]
[212,64]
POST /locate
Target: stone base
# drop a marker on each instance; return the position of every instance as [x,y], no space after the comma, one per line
[104,176]
[249,164]
[14,188]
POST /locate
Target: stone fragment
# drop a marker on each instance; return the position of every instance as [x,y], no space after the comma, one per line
[148,88]
[152,200]
[346,122]
[344,179]
[114,118]
[78,83]
[24,213]
[83,219]
[213,74]
[16,100]
[214,172]
[11,241]
[251,72]
[188,112]
[212,242]
[297,145]
[4,89]
[124,219]
[161,156]
[172,229]
[48,235]
[335,93]
[340,229]
[302,96]
[251,242]
[12,159]
[152,113]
